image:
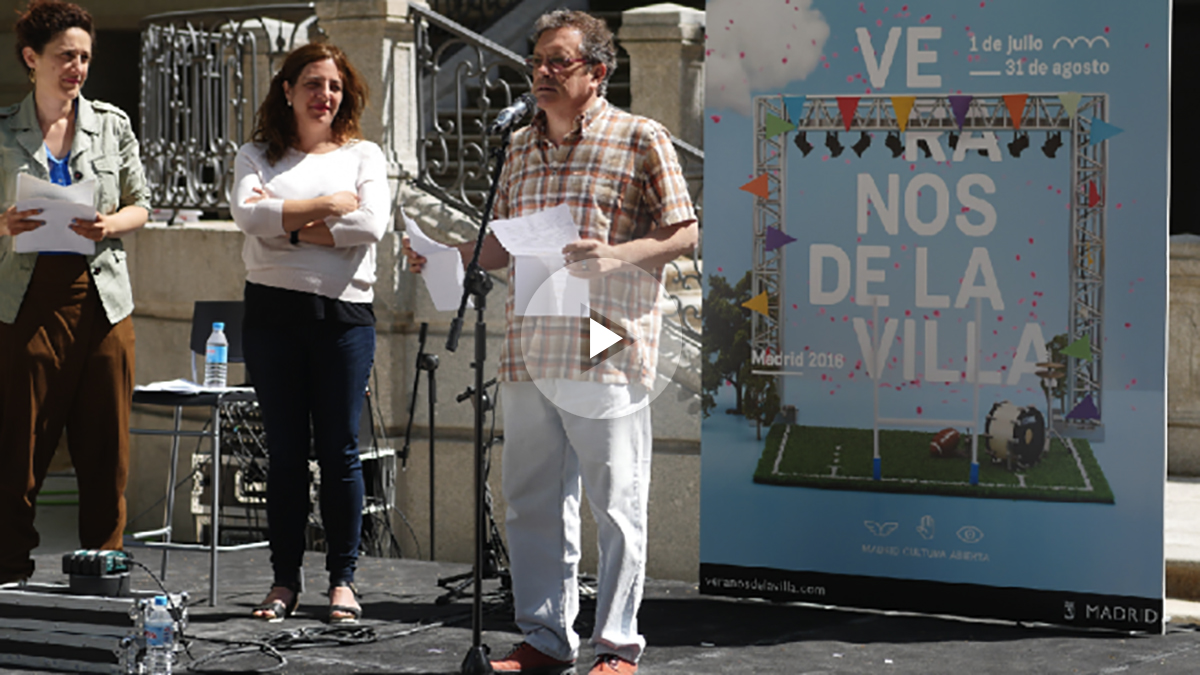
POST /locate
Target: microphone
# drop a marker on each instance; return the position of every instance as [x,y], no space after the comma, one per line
[506,118]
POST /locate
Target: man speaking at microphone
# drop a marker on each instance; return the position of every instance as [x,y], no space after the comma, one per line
[621,180]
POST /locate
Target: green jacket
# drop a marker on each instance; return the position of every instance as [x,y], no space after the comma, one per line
[104,148]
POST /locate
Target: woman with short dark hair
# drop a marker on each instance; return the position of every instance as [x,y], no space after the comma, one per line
[313,200]
[66,336]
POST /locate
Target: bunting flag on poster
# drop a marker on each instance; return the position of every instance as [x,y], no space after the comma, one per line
[794,105]
[1016,107]
[777,238]
[903,106]
[1102,131]
[1070,102]
[759,187]
[948,285]
[1086,410]
[848,105]
[776,126]
[1080,349]
[759,303]
[960,105]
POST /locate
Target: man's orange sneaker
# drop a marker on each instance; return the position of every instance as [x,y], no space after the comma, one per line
[526,660]
[611,664]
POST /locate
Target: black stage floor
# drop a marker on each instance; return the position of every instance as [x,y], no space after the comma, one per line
[686,632]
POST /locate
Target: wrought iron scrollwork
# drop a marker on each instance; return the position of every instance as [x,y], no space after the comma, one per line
[200,86]
[465,79]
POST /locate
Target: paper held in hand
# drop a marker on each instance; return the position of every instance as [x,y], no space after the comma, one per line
[535,242]
[60,205]
[443,272]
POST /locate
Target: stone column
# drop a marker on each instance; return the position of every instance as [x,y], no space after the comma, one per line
[1183,358]
[666,63]
[378,37]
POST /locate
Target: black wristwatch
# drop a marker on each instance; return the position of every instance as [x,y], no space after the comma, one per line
[295,238]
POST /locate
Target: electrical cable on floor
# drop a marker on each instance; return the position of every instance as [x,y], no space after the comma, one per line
[308,637]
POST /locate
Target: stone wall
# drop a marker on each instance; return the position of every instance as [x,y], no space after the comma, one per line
[1183,358]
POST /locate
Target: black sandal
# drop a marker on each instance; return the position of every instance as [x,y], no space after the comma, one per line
[355,613]
[278,609]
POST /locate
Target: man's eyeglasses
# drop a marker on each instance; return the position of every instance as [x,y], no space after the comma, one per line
[556,64]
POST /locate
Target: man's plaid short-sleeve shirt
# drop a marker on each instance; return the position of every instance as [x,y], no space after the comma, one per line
[619,176]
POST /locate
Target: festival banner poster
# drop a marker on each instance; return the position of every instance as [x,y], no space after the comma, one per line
[935,306]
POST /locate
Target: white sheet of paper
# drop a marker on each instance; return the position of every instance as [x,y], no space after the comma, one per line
[180,386]
[60,205]
[541,292]
[183,386]
[536,242]
[443,272]
[540,234]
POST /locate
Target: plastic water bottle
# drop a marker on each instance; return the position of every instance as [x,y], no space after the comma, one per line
[159,629]
[216,357]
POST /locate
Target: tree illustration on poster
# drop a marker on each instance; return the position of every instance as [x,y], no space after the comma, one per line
[726,348]
[947,223]
[726,341]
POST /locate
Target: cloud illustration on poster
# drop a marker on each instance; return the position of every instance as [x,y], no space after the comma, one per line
[756,47]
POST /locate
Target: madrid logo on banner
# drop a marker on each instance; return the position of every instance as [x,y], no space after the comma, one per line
[935,335]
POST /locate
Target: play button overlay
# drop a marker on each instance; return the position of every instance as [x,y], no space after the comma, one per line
[605,338]
[600,338]
[619,337]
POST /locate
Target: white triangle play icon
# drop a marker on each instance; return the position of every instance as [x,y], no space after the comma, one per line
[600,338]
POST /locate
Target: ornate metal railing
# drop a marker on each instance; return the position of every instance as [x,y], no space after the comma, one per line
[688,278]
[455,105]
[200,86]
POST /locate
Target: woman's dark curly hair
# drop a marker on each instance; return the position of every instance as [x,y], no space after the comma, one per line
[275,124]
[42,20]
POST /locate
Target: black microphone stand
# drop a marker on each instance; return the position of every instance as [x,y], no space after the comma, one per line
[496,556]
[476,286]
[429,364]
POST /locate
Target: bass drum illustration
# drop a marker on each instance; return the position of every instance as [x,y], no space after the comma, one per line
[1015,435]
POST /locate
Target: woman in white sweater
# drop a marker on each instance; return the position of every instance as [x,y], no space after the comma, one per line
[313,200]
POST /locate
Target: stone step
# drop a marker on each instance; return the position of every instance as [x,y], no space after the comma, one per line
[1181,538]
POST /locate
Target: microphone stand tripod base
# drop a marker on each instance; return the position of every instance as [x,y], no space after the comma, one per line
[477,662]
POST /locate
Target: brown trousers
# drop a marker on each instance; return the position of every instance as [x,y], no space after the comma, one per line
[63,365]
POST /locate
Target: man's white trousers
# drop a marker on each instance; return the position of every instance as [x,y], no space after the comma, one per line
[548,454]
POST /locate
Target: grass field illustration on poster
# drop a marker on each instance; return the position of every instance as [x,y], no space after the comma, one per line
[934,321]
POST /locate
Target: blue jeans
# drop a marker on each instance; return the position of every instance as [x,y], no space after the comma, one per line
[310,379]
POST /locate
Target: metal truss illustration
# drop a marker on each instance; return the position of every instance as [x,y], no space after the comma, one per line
[770,158]
[933,113]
